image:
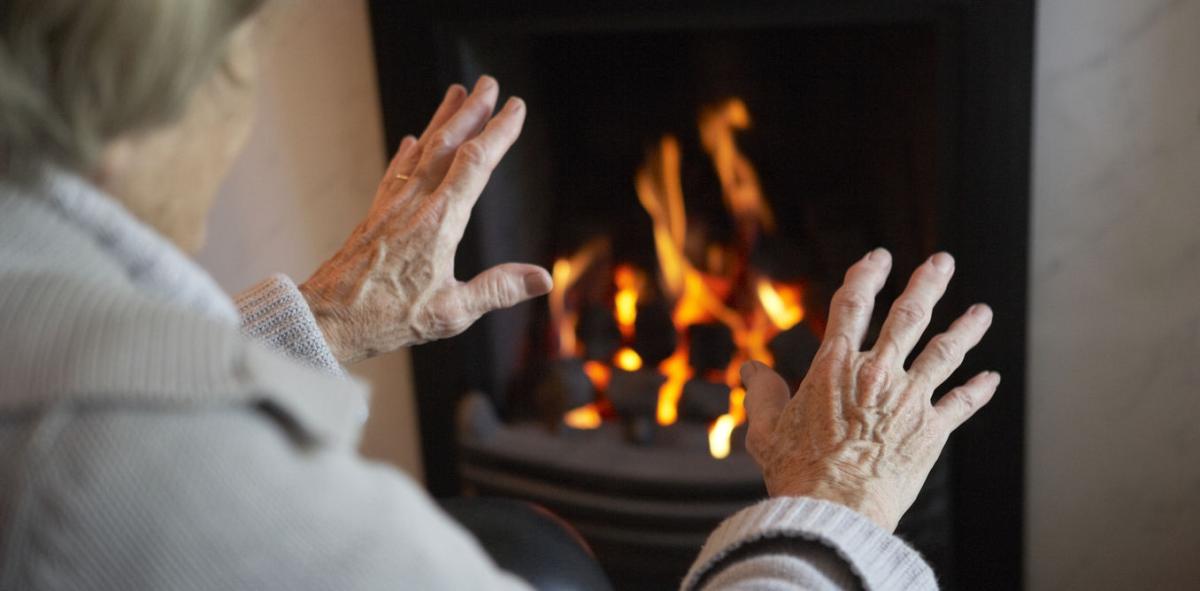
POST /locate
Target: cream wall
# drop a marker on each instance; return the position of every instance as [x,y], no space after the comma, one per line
[1114,408]
[307,177]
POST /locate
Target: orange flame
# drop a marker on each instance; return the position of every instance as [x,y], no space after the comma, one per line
[782,304]
[678,372]
[739,182]
[599,374]
[566,272]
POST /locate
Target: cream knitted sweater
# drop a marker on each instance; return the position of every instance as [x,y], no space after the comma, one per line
[149,444]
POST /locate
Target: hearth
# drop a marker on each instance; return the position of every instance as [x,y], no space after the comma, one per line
[698,176]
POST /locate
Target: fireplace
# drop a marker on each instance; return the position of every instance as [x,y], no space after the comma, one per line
[698,176]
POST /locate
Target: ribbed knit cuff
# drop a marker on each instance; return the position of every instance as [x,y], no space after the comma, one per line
[275,313]
[883,561]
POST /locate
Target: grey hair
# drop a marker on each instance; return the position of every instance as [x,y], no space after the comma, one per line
[77,74]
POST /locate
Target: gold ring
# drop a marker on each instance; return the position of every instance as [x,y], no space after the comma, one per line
[403,177]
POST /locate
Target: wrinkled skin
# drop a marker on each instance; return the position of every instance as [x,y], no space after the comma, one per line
[861,430]
[392,284]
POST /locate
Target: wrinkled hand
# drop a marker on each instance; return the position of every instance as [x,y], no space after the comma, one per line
[861,430]
[392,284]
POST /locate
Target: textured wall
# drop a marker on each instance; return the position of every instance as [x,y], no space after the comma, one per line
[1114,487]
[308,176]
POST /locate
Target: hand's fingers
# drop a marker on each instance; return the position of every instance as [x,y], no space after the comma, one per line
[403,153]
[910,314]
[406,162]
[451,103]
[945,352]
[502,286]
[850,310]
[407,145]
[961,403]
[437,152]
[766,396]
[477,158]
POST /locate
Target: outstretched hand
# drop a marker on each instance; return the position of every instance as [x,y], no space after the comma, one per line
[862,430]
[392,284]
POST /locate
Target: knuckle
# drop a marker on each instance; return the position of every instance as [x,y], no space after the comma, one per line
[441,141]
[944,349]
[962,402]
[473,153]
[908,312]
[852,302]
[873,376]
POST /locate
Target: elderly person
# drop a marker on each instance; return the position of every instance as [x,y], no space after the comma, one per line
[159,435]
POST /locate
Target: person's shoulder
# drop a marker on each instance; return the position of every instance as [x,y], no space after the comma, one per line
[231,496]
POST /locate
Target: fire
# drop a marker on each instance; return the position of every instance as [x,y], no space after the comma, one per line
[628,359]
[626,299]
[584,417]
[719,435]
[725,290]
[781,304]
[739,182]
[678,372]
[565,273]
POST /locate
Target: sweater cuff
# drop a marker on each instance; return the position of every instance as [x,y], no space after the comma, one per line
[883,561]
[275,313]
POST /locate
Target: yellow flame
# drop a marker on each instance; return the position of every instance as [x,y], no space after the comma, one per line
[584,417]
[781,305]
[626,299]
[678,372]
[628,359]
[737,405]
[719,435]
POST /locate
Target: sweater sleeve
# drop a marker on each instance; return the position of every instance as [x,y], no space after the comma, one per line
[275,313]
[801,543]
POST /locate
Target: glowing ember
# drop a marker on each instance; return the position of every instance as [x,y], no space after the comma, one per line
[719,435]
[599,374]
[628,359]
[584,417]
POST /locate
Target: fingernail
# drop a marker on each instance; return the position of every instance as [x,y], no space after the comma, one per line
[994,376]
[538,283]
[747,371]
[942,262]
[485,83]
[453,90]
[982,310]
[514,104]
[878,255]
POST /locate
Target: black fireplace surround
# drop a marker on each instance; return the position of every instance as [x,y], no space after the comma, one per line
[877,123]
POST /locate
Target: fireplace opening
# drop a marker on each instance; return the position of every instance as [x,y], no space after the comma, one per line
[698,183]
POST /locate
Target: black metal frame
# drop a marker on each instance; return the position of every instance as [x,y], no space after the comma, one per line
[983,211]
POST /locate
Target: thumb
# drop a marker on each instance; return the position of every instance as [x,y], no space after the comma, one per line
[766,396]
[504,286]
